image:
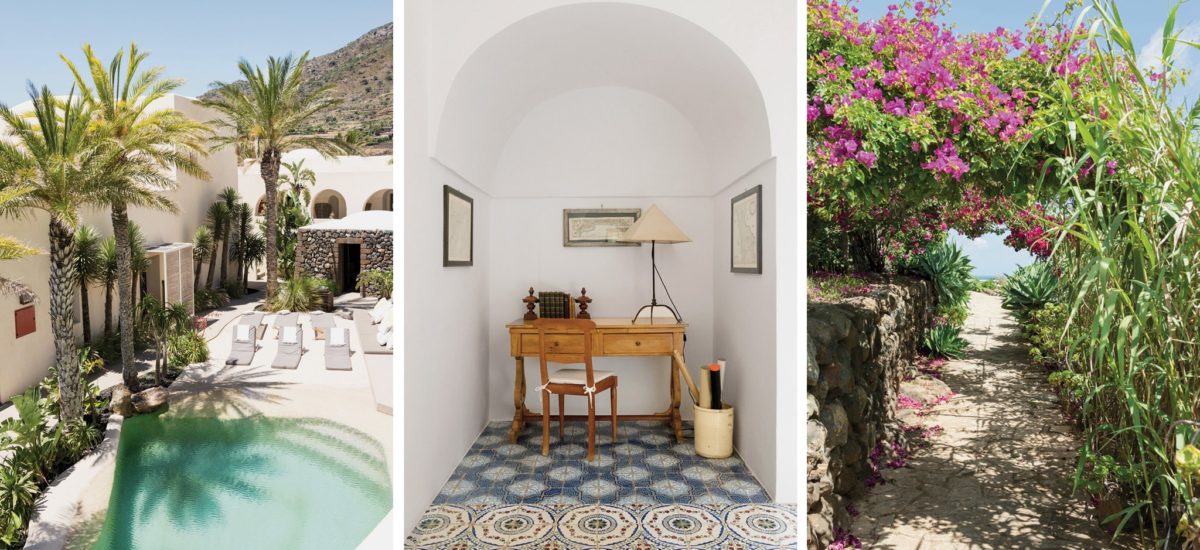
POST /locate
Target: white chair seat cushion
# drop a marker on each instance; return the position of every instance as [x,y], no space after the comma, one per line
[577,376]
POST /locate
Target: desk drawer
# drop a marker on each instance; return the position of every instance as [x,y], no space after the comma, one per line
[637,344]
[558,343]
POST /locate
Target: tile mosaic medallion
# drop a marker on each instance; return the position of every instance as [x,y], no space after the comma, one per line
[642,492]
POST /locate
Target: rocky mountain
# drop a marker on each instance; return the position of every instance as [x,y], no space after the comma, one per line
[361,73]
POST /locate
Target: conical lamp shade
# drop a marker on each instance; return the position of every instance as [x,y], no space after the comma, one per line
[654,226]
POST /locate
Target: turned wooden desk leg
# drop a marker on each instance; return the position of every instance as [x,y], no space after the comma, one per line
[518,401]
[676,418]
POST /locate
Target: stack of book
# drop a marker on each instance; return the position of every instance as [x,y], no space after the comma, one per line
[555,305]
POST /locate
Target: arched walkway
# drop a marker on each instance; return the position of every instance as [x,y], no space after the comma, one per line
[1000,470]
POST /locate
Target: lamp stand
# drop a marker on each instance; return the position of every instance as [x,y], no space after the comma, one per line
[654,291]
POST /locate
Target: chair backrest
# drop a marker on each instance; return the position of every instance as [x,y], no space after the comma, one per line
[565,341]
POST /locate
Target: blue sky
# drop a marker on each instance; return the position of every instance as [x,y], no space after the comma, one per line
[198,41]
[1143,19]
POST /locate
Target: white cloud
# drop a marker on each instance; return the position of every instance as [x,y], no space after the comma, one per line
[1185,58]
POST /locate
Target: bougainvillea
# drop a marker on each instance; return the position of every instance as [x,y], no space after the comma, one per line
[914,129]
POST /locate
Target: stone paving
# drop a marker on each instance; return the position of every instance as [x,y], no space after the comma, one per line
[1000,475]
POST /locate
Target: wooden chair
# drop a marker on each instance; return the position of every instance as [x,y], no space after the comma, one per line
[570,341]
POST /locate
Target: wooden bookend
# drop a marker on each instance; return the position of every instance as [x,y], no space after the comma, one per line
[583,302]
[530,303]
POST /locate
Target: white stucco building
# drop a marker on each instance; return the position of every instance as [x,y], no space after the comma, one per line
[345,185]
[28,358]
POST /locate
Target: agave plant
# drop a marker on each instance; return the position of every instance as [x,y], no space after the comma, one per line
[1029,289]
[945,341]
[945,265]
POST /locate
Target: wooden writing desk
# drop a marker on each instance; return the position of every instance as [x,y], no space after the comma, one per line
[614,337]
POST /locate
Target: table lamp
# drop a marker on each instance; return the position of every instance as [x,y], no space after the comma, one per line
[654,227]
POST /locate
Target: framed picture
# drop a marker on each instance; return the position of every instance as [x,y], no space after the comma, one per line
[598,226]
[458,225]
[745,243]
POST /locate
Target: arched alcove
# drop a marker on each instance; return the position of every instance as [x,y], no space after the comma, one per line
[260,207]
[569,48]
[328,204]
[380,200]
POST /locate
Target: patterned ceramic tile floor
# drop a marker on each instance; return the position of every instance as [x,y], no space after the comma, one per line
[645,491]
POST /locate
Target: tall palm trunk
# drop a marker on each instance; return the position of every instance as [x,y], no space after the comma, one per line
[212,259]
[225,250]
[85,312]
[62,294]
[196,277]
[270,175]
[107,310]
[125,294]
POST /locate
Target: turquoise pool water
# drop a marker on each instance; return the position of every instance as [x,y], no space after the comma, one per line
[261,483]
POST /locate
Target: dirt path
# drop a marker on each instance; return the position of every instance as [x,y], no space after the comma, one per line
[999,476]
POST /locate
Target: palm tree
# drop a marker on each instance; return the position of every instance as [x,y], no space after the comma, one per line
[11,249]
[243,217]
[54,153]
[148,144]
[231,199]
[218,221]
[89,267]
[253,251]
[162,321]
[108,278]
[202,249]
[266,115]
[298,179]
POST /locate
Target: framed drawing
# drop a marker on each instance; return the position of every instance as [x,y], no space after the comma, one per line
[745,243]
[458,225]
[598,226]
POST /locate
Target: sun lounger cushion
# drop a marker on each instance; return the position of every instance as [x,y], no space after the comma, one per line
[380,309]
[243,333]
[337,353]
[290,334]
[290,349]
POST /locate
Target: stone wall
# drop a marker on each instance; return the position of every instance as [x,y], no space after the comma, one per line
[317,251]
[859,350]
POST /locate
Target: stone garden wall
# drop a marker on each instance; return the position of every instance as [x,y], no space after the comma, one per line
[859,350]
[317,250]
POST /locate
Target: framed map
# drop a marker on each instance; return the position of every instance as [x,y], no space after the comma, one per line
[745,243]
[458,224]
[598,226]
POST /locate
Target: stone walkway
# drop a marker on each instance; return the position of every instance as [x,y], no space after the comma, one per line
[1000,475]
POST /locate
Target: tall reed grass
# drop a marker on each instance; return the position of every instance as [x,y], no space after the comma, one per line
[1128,255]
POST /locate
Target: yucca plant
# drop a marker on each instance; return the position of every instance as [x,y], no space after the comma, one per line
[1028,289]
[945,341]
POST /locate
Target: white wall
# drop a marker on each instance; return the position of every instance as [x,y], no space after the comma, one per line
[744,332]
[527,250]
[445,316]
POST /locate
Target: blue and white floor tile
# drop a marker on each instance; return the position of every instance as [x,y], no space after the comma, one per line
[642,492]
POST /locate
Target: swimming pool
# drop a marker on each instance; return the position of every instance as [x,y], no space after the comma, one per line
[257,482]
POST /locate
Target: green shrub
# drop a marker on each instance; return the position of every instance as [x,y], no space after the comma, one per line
[297,294]
[233,289]
[207,298]
[945,265]
[375,282]
[1030,288]
[187,348]
[945,341]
